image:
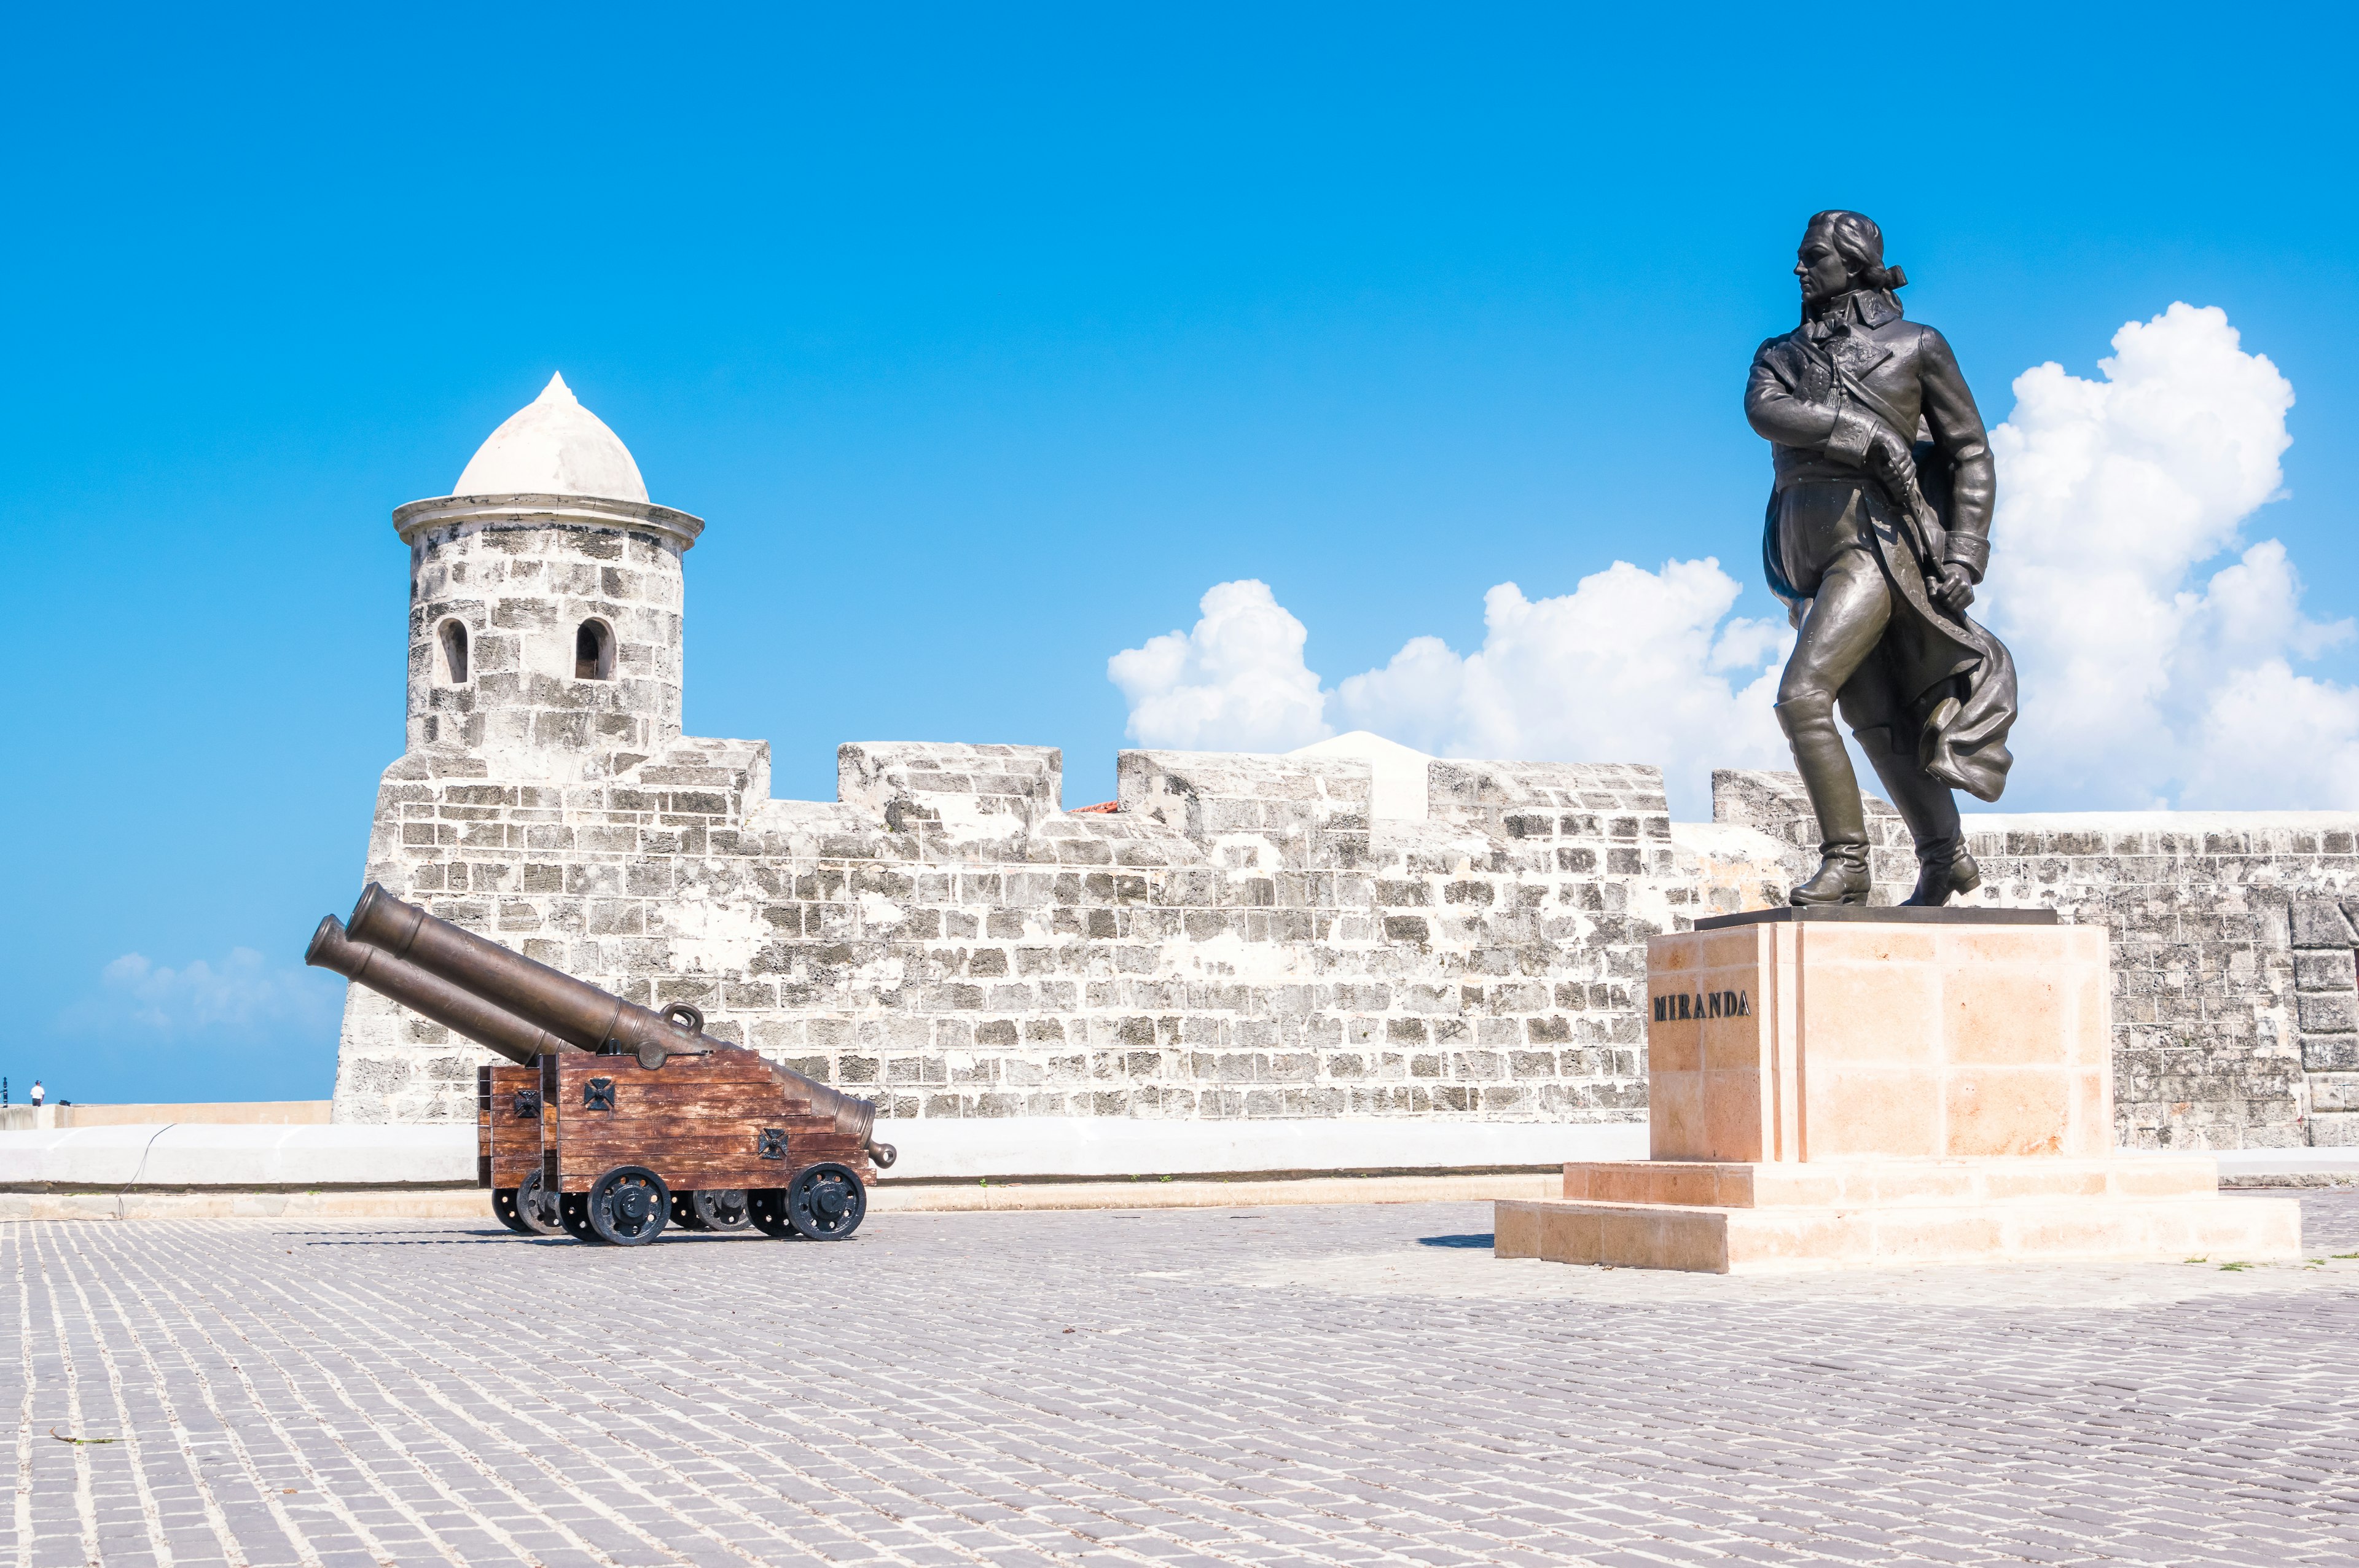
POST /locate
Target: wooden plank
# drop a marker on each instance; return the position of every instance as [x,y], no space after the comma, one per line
[484,1127]
[515,1141]
[618,1141]
[623,1136]
[695,1121]
[553,1126]
[748,1170]
[808,1153]
[632,1099]
[635,1094]
[601,1125]
[686,1177]
[688,1162]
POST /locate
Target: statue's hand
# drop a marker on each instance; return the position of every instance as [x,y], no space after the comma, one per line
[1890,460]
[1954,590]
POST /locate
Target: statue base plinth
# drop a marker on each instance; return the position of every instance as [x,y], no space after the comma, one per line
[1726,1218]
[1831,1089]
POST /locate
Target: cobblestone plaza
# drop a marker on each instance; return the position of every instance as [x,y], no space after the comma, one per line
[1360,1384]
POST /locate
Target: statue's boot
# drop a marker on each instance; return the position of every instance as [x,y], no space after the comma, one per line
[1834,795]
[1925,803]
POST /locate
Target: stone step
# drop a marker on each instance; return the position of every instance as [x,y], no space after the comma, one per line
[1720,1240]
[1888,1182]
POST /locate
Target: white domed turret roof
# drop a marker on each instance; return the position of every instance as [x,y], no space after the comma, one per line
[553,445]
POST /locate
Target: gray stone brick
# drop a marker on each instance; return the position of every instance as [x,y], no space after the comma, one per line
[2335,1091]
[2318,922]
[2327,1013]
[2336,1130]
[2329,1053]
[2331,971]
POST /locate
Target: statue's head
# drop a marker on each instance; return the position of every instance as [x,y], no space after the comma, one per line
[1840,251]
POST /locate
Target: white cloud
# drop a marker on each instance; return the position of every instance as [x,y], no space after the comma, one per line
[2146,681]
[1235,683]
[2267,737]
[245,991]
[1631,665]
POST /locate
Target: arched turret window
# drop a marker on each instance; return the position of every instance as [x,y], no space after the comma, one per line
[594,651]
[454,652]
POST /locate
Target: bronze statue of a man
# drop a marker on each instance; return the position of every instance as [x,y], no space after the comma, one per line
[1879,530]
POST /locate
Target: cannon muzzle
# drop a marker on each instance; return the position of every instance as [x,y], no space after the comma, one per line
[574,1011]
[453,1007]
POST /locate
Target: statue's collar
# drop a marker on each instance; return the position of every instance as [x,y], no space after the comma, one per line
[1869,306]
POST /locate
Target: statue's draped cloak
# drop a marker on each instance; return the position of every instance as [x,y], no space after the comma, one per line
[1932,654]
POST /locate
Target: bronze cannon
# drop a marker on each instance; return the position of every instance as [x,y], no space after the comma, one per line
[615,1117]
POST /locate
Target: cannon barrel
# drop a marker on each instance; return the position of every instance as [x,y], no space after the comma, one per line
[574,1010]
[453,1007]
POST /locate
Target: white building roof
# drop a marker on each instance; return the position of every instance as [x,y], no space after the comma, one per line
[553,445]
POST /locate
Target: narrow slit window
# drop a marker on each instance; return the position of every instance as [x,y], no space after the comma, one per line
[594,651]
[454,652]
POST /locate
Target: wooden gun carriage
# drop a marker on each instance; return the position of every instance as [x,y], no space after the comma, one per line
[614,1119]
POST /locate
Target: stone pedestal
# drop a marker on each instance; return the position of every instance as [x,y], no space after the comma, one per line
[1843,1086]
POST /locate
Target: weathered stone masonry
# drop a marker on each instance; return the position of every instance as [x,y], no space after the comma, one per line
[1237,941]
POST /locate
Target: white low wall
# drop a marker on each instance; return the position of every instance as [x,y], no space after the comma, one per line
[189,1155]
[1014,1146]
[230,1158]
[192,1155]
[2288,1161]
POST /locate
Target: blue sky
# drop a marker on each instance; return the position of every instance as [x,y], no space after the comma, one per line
[985,345]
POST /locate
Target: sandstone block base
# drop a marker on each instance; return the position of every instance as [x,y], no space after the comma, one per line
[1840,1088]
[1727,1219]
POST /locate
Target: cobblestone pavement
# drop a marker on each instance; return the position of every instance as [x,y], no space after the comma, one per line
[1309,1385]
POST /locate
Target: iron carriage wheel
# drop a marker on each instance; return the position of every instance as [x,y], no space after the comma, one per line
[722,1208]
[629,1206]
[526,1208]
[503,1209]
[765,1210]
[574,1217]
[712,1208]
[826,1202]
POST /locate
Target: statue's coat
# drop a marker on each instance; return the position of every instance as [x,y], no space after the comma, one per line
[1817,394]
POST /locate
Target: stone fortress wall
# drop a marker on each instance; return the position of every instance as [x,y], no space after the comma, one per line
[2236,1006]
[1237,940]
[1376,938]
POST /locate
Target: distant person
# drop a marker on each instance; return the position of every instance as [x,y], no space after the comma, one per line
[37,1093]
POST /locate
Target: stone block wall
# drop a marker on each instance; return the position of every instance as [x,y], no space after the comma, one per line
[2326,1015]
[1237,940]
[2230,951]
